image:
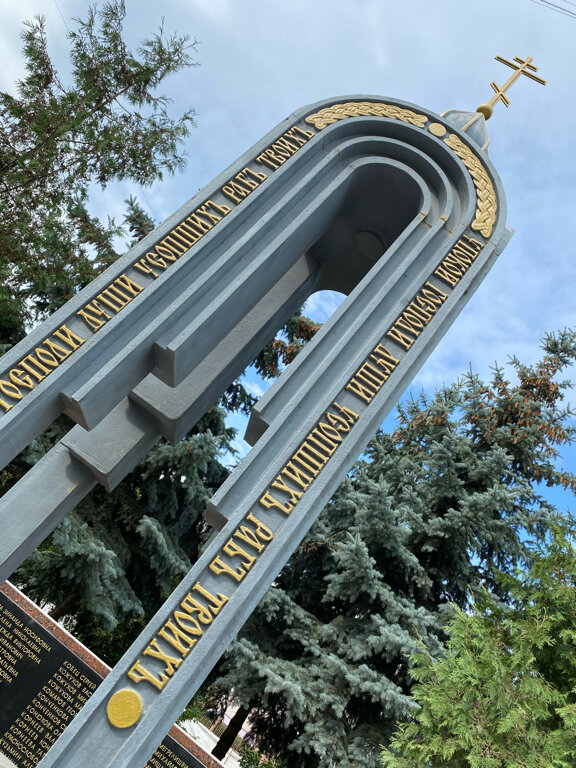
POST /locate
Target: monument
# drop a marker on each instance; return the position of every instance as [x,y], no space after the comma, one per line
[395,206]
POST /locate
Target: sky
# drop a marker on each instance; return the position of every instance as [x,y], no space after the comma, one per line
[260,60]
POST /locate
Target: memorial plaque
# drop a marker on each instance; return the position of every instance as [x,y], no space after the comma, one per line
[46,677]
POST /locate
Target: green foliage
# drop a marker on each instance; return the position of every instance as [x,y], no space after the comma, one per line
[425,522]
[105,123]
[251,758]
[120,554]
[281,351]
[504,695]
[197,708]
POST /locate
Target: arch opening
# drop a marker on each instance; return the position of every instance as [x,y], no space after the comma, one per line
[380,202]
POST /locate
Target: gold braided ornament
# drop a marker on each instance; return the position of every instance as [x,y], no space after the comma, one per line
[485,193]
[364,108]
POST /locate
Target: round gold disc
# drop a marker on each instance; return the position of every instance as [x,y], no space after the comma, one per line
[124,708]
[437,129]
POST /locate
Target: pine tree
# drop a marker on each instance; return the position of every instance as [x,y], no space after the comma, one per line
[424,523]
[504,694]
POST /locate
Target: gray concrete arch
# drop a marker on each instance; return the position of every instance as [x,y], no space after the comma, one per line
[372,173]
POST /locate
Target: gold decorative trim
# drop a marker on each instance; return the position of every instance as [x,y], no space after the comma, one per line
[337,112]
[437,129]
[487,205]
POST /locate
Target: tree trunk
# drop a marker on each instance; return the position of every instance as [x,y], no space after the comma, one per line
[232,730]
[66,606]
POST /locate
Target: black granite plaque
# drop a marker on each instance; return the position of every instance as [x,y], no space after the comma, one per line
[45,680]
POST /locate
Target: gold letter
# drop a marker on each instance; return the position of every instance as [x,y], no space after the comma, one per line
[154,650]
[69,337]
[173,635]
[26,382]
[218,566]
[128,285]
[10,390]
[270,502]
[281,486]
[217,602]
[191,606]
[188,622]
[138,673]
[293,473]
[254,538]
[232,549]
[141,265]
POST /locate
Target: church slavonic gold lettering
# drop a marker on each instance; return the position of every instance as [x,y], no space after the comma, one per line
[213,217]
[366,382]
[280,485]
[10,390]
[216,602]
[222,209]
[409,325]
[372,374]
[113,298]
[297,475]
[256,537]
[218,566]
[154,651]
[243,184]
[198,225]
[232,549]
[131,287]
[453,267]
[324,444]
[46,357]
[345,418]
[176,637]
[138,673]
[16,377]
[40,363]
[277,153]
[193,606]
[269,502]
[187,622]
[307,461]
[235,191]
[168,252]
[382,356]
[90,314]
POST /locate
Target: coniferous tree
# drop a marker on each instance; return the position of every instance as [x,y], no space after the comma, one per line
[504,694]
[103,123]
[423,523]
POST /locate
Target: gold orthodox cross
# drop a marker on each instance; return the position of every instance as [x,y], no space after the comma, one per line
[521,67]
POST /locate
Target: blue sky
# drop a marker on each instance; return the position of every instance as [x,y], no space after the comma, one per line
[261,60]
